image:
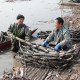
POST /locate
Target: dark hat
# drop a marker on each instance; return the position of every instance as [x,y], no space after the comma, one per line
[20,16]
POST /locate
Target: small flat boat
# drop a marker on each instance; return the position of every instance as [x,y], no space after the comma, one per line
[70,4]
[5,43]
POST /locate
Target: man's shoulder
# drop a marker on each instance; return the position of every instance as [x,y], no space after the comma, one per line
[54,30]
[66,29]
[25,26]
[13,25]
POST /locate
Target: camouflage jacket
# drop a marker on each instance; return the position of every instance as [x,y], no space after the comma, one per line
[61,36]
[22,31]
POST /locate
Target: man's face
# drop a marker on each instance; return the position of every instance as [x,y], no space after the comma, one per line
[57,25]
[20,21]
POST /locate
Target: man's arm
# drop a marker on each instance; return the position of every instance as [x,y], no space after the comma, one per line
[66,40]
[27,33]
[10,30]
[50,37]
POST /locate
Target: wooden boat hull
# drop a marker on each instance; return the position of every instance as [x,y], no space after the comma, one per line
[70,4]
[5,44]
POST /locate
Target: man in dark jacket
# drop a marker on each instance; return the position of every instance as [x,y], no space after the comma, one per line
[19,30]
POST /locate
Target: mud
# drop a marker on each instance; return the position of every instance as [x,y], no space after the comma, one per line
[74,19]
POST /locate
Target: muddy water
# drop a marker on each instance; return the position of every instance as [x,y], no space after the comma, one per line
[7,62]
[38,14]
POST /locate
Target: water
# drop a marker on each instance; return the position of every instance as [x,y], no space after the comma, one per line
[38,14]
[7,62]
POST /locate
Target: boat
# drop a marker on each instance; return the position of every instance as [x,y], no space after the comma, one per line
[70,4]
[6,43]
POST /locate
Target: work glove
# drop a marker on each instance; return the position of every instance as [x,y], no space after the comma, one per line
[44,43]
[57,47]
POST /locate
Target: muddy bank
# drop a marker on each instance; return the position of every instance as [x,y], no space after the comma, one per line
[33,73]
[73,21]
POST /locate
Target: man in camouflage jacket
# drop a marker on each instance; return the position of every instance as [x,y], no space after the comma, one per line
[60,36]
[19,30]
